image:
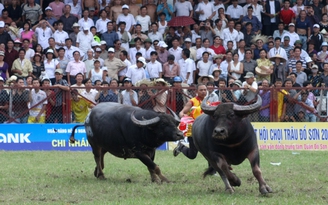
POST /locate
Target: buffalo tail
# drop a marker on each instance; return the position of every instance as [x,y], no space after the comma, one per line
[72,138]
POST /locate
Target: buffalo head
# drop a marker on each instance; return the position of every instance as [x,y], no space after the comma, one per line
[227,116]
[163,126]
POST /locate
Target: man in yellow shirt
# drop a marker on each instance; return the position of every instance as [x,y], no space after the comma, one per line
[80,106]
[191,109]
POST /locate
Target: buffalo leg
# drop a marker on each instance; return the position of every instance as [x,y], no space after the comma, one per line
[154,170]
[254,160]
[98,156]
[223,168]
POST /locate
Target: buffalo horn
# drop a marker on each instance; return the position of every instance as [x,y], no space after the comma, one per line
[248,109]
[144,122]
[174,115]
[206,108]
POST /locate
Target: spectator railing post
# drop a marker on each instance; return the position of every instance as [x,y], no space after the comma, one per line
[67,112]
[273,105]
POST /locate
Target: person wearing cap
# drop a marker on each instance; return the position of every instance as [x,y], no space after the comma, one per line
[60,35]
[293,36]
[118,48]
[127,18]
[161,93]
[154,34]
[104,52]
[50,65]
[187,45]
[85,19]
[136,72]
[38,66]
[96,56]
[113,64]
[130,97]
[49,15]
[68,19]
[250,86]
[148,48]
[110,35]
[316,37]
[61,85]
[73,35]
[277,49]
[84,38]
[57,8]
[22,67]
[44,31]
[286,46]
[163,53]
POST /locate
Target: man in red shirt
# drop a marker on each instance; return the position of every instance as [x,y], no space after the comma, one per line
[217,46]
[287,15]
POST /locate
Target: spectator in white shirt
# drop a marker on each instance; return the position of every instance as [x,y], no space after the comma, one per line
[148,48]
[187,67]
[293,36]
[155,35]
[204,65]
[206,47]
[84,39]
[137,72]
[85,19]
[69,50]
[137,48]
[60,35]
[143,19]
[235,12]
[124,58]
[230,34]
[154,68]
[130,97]
[183,8]
[29,53]
[176,50]
[127,18]
[44,31]
[101,23]
[205,10]
[76,8]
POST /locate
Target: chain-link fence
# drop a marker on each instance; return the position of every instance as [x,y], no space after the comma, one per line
[56,105]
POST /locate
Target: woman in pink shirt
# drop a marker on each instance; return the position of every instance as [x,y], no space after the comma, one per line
[27,33]
[57,8]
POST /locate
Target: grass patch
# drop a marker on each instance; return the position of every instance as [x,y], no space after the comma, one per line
[67,178]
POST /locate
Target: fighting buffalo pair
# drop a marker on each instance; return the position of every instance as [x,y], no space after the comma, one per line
[223,134]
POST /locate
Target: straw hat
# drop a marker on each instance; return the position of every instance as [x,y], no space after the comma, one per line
[261,72]
[323,31]
[161,80]
[238,83]
[277,56]
[216,69]
[260,37]
[200,79]
[144,82]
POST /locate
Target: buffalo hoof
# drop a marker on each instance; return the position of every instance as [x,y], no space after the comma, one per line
[95,172]
[165,180]
[230,190]
[265,189]
[101,177]
[235,181]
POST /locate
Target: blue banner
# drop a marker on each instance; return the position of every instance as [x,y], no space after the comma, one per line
[51,137]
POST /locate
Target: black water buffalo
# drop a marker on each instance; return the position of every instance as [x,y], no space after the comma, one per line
[225,137]
[129,132]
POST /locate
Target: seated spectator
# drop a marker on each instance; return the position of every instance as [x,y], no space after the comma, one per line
[238,96]
[300,117]
[250,86]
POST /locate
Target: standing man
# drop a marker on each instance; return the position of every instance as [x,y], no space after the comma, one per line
[38,104]
[187,67]
[68,19]
[61,85]
[127,18]
[114,65]
[110,35]
[271,16]
[74,67]
[32,11]
[84,38]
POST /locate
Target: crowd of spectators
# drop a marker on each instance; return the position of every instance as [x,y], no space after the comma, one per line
[238,48]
